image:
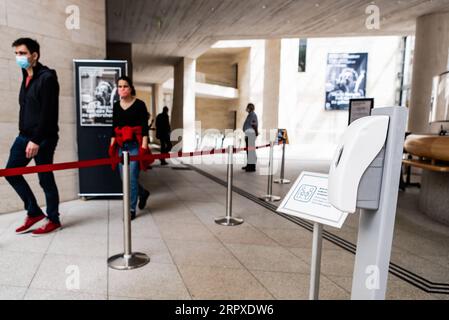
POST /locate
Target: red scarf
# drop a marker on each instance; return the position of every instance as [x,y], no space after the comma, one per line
[127,134]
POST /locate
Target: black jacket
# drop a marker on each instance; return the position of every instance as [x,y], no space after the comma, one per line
[39,105]
[162,126]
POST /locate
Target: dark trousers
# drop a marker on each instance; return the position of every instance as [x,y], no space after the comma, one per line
[17,158]
[166,146]
[251,155]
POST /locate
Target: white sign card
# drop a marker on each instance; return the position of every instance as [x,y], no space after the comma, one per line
[308,199]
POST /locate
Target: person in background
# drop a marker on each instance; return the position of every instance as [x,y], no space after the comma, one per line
[250,127]
[163,131]
[130,133]
[38,136]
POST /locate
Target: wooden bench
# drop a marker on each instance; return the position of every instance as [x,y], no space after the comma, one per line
[432,165]
[431,154]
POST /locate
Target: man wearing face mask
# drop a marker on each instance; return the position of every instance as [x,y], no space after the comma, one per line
[38,136]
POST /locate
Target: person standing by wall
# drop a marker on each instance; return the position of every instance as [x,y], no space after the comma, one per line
[130,133]
[163,131]
[38,136]
[250,127]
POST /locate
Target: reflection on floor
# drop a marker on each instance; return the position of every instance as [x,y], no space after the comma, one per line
[268,257]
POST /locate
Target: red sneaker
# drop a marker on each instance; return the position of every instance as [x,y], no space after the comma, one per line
[48,228]
[29,222]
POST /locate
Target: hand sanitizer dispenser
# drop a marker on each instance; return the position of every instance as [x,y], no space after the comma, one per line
[361,147]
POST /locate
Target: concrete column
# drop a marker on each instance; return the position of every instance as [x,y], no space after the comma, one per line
[183,113]
[158,98]
[271,84]
[121,51]
[431,59]
[251,80]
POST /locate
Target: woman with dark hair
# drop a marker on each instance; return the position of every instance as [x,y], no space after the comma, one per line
[130,133]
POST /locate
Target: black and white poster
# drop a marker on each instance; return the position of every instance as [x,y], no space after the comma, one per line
[345,79]
[98,92]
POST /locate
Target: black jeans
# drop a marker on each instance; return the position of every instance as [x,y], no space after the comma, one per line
[166,146]
[17,158]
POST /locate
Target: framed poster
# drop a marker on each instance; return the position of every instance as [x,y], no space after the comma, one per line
[360,108]
[96,92]
[345,79]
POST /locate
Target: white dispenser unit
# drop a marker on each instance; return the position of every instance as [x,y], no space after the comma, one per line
[361,144]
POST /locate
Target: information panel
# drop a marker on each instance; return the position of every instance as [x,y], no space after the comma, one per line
[308,199]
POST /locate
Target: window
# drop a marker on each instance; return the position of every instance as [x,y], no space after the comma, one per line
[302,55]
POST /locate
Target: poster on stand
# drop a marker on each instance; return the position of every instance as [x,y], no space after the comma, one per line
[345,79]
[96,93]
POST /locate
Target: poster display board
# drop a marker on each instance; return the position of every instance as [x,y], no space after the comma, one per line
[282,136]
[345,79]
[96,92]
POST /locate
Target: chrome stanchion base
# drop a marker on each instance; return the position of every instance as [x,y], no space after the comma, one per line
[229,221]
[282,181]
[122,262]
[269,198]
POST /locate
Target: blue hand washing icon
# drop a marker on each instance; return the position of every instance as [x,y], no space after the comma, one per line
[305,193]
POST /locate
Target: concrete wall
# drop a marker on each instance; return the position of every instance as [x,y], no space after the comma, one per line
[183,111]
[121,51]
[45,21]
[219,71]
[269,77]
[251,76]
[313,131]
[214,113]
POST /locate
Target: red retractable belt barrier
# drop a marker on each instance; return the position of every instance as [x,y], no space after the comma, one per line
[114,161]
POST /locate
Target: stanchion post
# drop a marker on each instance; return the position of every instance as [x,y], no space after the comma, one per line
[269,197]
[126,206]
[282,180]
[316,261]
[127,260]
[229,220]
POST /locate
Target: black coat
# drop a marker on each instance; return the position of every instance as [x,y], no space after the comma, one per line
[39,105]
[163,126]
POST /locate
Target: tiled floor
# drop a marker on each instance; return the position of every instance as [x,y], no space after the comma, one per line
[268,257]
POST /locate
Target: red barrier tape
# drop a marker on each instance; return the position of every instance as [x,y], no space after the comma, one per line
[108,161]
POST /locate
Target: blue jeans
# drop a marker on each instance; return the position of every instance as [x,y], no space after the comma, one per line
[17,158]
[136,189]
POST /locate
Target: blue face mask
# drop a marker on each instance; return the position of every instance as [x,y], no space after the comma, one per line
[22,61]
